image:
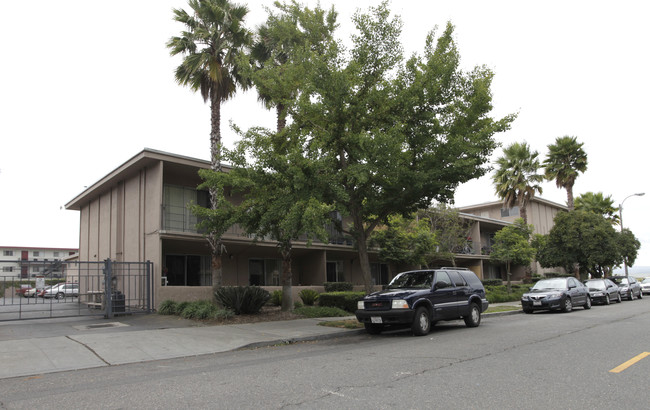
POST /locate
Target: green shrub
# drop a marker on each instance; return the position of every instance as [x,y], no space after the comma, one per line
[181,306]
[242,299]
[276,298]
[168,307]
[297,304]
[342,300]
[338,287]
[492,282]
[499,294]
[321,311]
[308,296]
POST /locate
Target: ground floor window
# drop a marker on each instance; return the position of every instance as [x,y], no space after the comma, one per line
[187,270]
[264,272]
[335,271]
[491,271]
[379,273]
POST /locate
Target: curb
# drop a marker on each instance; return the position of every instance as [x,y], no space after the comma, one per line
[286,342]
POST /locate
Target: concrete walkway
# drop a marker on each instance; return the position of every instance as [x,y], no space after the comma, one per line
[44,346]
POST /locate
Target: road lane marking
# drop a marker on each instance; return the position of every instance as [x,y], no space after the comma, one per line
[629,363]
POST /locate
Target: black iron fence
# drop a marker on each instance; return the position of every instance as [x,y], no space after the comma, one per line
[106,288]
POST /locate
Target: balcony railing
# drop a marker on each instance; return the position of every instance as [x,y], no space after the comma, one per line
[180,219]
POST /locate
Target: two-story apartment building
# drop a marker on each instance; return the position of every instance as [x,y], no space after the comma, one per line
[28,262]
[138,212]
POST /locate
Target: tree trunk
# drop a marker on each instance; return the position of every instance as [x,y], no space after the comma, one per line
[362,246]
[281,117]
[508,275]
[215,164]
[523,213]
[287,297]
[569,197]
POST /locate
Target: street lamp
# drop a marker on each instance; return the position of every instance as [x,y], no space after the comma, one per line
[620,216]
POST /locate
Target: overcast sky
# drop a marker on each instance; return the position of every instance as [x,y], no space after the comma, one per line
[86,85]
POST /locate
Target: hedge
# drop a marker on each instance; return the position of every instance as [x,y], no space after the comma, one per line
[342,300]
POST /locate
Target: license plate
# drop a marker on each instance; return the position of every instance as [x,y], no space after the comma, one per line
[375,319]
[537,303]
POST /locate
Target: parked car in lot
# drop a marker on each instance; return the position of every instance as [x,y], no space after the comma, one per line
[556,294]
[61,290]
[423,297]
[645,286]
[630,288]
[603,291]
[22,289]
[31,293]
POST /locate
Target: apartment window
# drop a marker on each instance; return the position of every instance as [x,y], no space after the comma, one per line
[7,269]
[187,270]
[56,254]
[264,272]
[176,207]
[8,253]
[36,253]
[35,269]
[335,271]
[514,211]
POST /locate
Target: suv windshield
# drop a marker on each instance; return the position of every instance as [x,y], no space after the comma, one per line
[423,280]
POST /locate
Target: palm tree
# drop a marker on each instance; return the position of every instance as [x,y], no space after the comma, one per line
[516,180]
[598,204]
[280,43]
[565,160]
[211,46]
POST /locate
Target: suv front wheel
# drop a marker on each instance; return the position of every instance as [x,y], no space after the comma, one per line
[421,322]
[474,317]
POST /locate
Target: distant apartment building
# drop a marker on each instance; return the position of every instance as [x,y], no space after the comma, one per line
[29,262]
[541,213]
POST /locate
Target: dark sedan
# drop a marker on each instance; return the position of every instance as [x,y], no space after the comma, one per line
[603,291]
[630,287]
[556,294]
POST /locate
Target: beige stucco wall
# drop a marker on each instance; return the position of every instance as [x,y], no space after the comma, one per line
[123,222]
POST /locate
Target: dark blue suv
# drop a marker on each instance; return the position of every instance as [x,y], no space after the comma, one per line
[421,298]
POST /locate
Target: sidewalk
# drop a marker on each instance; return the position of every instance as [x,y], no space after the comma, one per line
[54,345]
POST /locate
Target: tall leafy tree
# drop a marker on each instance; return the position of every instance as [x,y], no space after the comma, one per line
[564,161]
[512,246]
[277,185]
[581,239]
[516,179]
[628,246]
[598,204]
[392,135]
[211,43]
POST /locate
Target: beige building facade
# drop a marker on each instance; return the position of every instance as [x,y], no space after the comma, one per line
[541,213]
[139,212]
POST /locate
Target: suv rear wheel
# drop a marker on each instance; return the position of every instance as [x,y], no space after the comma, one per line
[474,317]
[421,322]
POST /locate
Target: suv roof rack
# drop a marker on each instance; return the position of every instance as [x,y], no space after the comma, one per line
[451,267]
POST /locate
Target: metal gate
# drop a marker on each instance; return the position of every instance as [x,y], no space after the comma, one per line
[68,289]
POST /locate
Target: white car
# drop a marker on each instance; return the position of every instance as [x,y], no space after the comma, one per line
[61,290]
[645,286]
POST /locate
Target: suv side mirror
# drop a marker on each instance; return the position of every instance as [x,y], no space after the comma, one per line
[441,285]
